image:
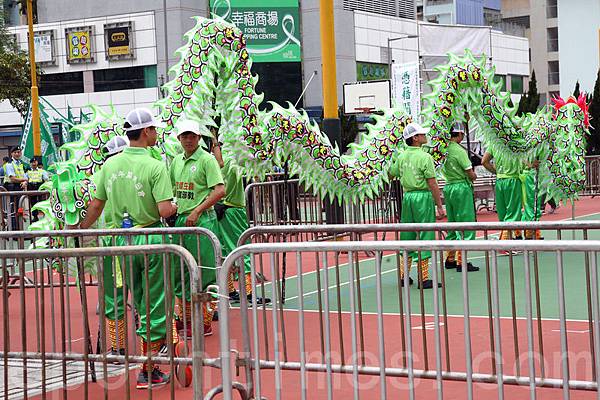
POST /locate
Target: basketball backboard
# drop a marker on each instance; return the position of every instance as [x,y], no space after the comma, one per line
[361,96]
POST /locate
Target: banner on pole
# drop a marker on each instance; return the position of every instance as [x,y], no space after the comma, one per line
[405,88]
[48,146]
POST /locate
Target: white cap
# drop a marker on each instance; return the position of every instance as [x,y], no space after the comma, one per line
[187,125]
[141,118]
[413,129]
[115,145]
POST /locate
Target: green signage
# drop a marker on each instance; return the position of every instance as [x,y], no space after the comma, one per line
[271,27]
[371,72]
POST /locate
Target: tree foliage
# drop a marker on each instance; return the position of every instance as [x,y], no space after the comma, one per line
[14,72]
[594,138]
[530,101]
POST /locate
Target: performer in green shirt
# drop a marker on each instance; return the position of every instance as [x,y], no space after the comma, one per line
[509,194]
[233,220]
[415,169]
[137,184]
[198,185]
[531,210]
[458,195]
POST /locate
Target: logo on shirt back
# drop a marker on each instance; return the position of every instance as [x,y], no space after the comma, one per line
[193,169]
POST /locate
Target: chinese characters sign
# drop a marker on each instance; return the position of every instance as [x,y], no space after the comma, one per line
[405,88]
[118,40]
[271,27]
[79,45]
[42,43]
[371,71]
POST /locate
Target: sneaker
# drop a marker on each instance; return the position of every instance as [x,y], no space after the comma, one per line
[470,268]
[158,377]
[410,281]
[509,252]
[450,264]
[428,284]
[216,316]
[259,300]
[208,330]
[518,238]
[234,296]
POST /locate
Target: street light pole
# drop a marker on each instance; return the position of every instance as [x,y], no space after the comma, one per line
[35,101]
[389,50]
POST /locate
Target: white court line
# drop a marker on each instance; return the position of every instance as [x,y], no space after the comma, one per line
[391,255]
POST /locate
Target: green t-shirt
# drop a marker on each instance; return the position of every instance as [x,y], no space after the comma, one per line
[194,178]
[413,167]
[134,182]
[234,186]
[457,163]
[503,167]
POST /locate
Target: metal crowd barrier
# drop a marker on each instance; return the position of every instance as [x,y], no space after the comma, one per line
[15,213]
[286,202]
[592,176]
[329,347]
[44,286]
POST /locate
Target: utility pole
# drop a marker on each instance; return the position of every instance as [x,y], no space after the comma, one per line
[35,101]
[331,122]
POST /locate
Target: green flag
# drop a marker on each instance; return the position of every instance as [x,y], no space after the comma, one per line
[49,152]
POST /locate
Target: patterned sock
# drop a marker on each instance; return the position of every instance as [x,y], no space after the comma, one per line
[402,266]
[424,267]
[116,333]
[248,283]
[230,285]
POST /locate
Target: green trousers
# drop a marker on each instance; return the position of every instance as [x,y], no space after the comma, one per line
[113,285]
[509,199]
[152,288]
[460,207]
[231,227]
[418,207]
[202,250]
[529,203]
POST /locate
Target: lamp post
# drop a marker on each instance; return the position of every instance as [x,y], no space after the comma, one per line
[389,49]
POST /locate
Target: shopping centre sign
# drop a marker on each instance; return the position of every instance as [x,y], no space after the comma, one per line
[271,27]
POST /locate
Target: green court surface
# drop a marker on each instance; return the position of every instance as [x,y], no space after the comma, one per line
[575,285]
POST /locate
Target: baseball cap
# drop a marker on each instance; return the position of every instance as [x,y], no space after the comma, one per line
[413,129]
[188,125]
[115,145]
[140,118]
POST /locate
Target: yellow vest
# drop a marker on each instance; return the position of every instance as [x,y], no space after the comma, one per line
[36,176]
[19,171]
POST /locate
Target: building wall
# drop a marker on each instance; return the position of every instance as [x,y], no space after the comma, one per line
[179,17]
[578,33]
[509,53]
[311,45]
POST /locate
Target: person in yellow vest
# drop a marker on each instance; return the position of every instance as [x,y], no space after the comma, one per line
[14,177]
[35,177]
[5,161]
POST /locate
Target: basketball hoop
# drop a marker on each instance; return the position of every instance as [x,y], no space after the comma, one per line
[364,110]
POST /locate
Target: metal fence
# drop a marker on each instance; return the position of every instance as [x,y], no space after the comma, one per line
[51,308]
[286,202]
[16,208]
[592,176]
[322,341]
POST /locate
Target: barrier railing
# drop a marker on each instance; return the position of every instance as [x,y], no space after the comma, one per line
[360,317]
[286,202]
[48,335]
[592,176]
[15,213]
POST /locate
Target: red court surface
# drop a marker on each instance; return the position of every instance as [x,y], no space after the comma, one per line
[578,346]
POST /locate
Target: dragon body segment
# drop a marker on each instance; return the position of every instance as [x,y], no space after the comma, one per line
[213,81]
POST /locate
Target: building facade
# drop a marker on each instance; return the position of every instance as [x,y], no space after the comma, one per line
[564,37]
[463,12]
[133,79]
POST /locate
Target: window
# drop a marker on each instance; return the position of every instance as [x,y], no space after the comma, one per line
[64,83]
[516,84]
[552,9]
[552,39]
[125,78]
[553,73]
[501,78]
